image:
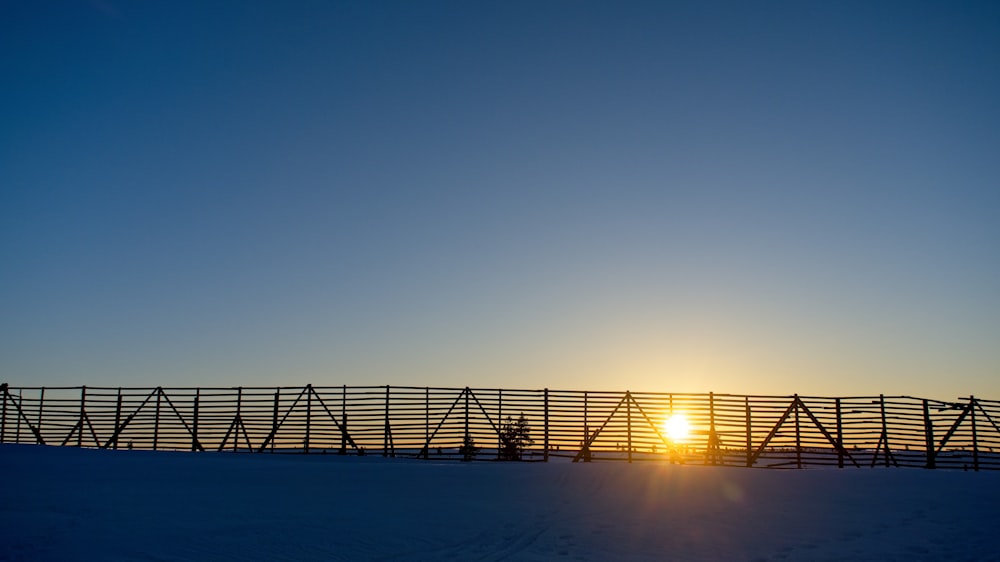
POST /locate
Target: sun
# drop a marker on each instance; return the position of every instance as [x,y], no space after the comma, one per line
[677,428]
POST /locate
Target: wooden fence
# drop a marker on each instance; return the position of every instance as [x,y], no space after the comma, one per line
[582,426]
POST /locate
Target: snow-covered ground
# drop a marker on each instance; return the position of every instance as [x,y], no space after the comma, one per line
[72,504]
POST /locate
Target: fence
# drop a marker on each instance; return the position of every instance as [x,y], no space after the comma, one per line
[582,426]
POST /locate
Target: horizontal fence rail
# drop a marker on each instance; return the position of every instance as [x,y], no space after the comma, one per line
[464,423]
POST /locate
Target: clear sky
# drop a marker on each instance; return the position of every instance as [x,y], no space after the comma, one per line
[744,197]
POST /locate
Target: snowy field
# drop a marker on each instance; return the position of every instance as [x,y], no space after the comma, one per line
[73,504]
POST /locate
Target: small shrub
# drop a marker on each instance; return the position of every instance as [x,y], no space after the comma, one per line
[468,449]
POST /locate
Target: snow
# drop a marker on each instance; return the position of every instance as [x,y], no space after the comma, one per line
[62,503]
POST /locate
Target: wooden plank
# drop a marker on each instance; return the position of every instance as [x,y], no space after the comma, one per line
[545,456]
[114,437]
[427,444]
[83,414]
[712,453]
[225,439]
[238,421]
[467,392]
[650,422]
[749,430]
[590,440]
[840,434]
[385,432]
[72,432]
[274,431]
[838,442]
[93,433]
[798,437]
[309,404]
[628,414]
[118,414]
[885,429]
[773,432]
[195,444]
[3,424]
[342,427]
[274,416]
[156,423]
[194,422]
[953,428]
[928,436]
[975,434]
[987,415]
[343,419]
[17,425]
[486,414]
[246,435]
[500,419]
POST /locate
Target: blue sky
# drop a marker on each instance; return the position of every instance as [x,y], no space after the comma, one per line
[750,198]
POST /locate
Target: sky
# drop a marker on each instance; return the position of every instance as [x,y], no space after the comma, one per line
[761,198]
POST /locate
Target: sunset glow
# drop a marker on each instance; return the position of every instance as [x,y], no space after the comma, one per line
[660,196]
[676,428]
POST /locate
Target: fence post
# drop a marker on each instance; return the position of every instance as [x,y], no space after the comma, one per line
[309,408]
[194,423]
[156,420]
[41,403]
[677,453]
[545,456]
[499,422]
[343,419]
[840,436]
[427,422]
[118,417]
[3,424]
[238,422]
[798,435]
[928,437]
[586,430]
[274,417]
[885,429]
[466,392]
[628,400]
[385,435]
[975,435]
[83,414]
[713,449]
[20,407]
[749,451]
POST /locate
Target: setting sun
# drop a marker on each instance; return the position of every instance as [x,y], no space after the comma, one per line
[677,428]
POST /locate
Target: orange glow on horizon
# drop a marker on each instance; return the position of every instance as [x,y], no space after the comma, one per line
[677,428]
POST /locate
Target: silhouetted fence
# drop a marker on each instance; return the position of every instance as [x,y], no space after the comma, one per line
[725,429]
